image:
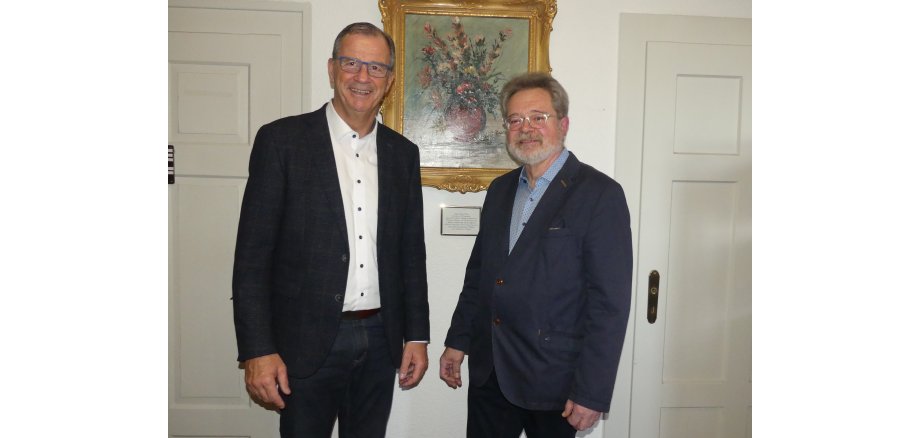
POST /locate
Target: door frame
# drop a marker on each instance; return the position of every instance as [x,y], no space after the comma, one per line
[636,31]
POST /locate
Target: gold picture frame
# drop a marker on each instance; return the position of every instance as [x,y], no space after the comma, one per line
[459,54]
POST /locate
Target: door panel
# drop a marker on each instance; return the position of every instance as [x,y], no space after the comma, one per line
[212,79]
[210,211]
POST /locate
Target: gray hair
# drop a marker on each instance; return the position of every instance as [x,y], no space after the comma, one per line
[541,80]
[364,29]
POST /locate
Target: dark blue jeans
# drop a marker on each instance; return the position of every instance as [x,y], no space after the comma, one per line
[354,384]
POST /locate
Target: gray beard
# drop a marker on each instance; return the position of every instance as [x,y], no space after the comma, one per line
[534,157]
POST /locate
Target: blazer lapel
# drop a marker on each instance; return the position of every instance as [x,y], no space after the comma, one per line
[325,174]
[507,206]
[549,205]
[385,174]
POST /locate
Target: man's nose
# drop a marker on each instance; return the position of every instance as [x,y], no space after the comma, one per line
[363,73]
[526,126]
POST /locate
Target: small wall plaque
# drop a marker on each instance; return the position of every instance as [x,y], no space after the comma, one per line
[460,221]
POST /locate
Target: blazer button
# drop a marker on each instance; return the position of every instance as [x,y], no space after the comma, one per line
[497,321]
[344,257]
[499,282]
[338,298]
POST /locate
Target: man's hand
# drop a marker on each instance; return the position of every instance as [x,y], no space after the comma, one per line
[580,417]
[264,375]
[450,367]
[414,364]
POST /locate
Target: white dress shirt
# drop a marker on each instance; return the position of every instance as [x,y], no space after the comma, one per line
[356,163]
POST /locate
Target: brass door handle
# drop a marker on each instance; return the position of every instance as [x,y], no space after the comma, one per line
[652,313]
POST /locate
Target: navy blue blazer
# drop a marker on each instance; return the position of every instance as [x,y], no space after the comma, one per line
[291,261]
[550,317]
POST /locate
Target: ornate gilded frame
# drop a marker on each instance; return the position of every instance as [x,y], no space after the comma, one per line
[540,15]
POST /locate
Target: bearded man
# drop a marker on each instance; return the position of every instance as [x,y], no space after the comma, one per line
[545,302]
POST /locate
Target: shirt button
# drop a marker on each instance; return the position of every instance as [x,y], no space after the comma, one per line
[499,282]
[359,208]
[359,181]
[357,155]
[362,265]
[360,237]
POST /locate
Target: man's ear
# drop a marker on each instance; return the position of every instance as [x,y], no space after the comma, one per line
[331,67]
[390,82]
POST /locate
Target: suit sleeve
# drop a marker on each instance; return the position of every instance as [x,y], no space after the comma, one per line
[414,273]
[260,219]
[608,277]
[461,324]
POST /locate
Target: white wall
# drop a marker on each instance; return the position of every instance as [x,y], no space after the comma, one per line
[583,56]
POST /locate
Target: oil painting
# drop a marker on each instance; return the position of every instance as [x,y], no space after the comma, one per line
[453,85]
[452,59]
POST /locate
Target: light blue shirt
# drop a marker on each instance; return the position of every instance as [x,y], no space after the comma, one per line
[526,200]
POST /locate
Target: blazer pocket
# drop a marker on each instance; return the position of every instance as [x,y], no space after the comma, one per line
[556,244]
[562,341]
[554,232]
[557,228]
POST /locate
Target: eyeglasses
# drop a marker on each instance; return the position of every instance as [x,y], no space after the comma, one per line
[536,120]
[353,65]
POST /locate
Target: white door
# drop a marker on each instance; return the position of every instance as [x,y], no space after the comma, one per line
[690,129]
[231,70]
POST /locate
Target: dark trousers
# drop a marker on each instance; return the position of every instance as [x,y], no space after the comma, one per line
[492,415]
[354,384]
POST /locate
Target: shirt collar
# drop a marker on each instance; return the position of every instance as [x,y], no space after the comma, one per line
[553,168]
[340,129]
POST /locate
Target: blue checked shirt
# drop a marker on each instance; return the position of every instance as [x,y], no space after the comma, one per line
[526,200]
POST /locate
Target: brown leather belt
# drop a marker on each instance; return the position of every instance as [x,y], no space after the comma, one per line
[360,314]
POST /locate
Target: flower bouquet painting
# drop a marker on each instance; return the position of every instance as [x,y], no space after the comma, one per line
[459,77]
[455,69]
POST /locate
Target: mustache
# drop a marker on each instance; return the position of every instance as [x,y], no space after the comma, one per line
[528,137]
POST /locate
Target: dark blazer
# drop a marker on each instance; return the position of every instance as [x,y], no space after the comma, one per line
[551,316]
[292,253]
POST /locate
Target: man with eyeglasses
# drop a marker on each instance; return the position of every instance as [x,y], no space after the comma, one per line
[330,292]
[545,302]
